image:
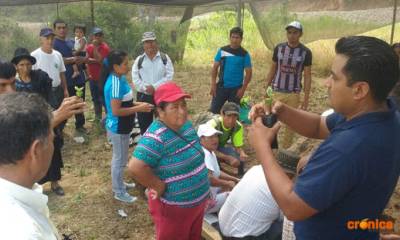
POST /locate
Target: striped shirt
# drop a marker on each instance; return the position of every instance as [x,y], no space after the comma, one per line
[291,63]
[178,160]
[287,230]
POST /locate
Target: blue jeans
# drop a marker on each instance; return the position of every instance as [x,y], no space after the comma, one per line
[120,155]
[232,152]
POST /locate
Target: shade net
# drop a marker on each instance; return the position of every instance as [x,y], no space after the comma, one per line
[178,23]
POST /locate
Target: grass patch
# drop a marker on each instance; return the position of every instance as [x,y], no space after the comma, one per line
[209,32]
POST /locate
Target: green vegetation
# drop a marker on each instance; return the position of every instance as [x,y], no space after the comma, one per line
[209,32]
[123,29]
[13,36]
[199,39]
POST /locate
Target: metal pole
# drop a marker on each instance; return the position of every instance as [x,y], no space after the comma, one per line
[393,21]
[92,12]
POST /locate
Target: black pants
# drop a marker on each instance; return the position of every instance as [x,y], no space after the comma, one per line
[222,95]
[54,172]
[79,118]
[145,118]
[96,90]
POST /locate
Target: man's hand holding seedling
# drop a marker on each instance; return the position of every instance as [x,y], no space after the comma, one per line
[264,118]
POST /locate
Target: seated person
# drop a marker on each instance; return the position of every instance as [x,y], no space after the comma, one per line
[231,129]
[250,211]
[221,183]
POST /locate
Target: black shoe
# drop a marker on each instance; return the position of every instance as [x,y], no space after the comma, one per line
[58,190]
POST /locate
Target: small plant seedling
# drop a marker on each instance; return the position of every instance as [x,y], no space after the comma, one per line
[79,91]
[270,119]
[245,102]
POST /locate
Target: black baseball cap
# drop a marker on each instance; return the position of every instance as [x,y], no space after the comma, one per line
[230,108]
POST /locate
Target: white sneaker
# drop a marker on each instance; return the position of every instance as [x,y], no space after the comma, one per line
[129,185]
[79,139]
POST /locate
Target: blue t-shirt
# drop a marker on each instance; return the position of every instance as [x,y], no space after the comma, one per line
[65,48]
[351,176]
[118,88]
[233,62]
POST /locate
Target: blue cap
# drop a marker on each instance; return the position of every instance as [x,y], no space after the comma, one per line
[97,30]
[45,32]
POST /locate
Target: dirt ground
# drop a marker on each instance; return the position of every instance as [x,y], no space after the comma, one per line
[88,210]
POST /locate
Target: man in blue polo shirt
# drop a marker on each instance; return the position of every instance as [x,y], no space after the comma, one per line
[231,60]
[351,176]
[65,47]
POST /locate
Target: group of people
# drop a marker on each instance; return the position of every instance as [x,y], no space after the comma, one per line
[180,166]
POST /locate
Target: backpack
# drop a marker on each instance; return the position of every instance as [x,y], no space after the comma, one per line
[162,55]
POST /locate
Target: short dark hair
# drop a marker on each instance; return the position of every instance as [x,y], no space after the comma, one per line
[370,60]
[162,106]
[236,30]
[80,26]
[57,21]
[24,118]
[7,70]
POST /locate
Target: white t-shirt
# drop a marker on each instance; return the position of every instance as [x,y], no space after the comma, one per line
[24,213]
[250,208]
[52,64]
[77,44]
[211,162]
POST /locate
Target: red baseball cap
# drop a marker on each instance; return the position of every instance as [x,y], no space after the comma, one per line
[169,92]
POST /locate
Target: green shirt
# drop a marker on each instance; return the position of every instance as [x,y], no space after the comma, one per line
[235,133]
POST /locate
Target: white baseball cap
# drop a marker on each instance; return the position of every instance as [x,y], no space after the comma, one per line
[207,130]
[295,24]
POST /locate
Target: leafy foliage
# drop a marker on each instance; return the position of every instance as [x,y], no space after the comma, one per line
[13,36]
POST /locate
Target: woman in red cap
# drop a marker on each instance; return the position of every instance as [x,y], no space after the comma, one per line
[169,161]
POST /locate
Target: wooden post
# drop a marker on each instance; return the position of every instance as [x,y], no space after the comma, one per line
[239,20]
[92,13]
[58,13]
[208,232]
[393,21]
